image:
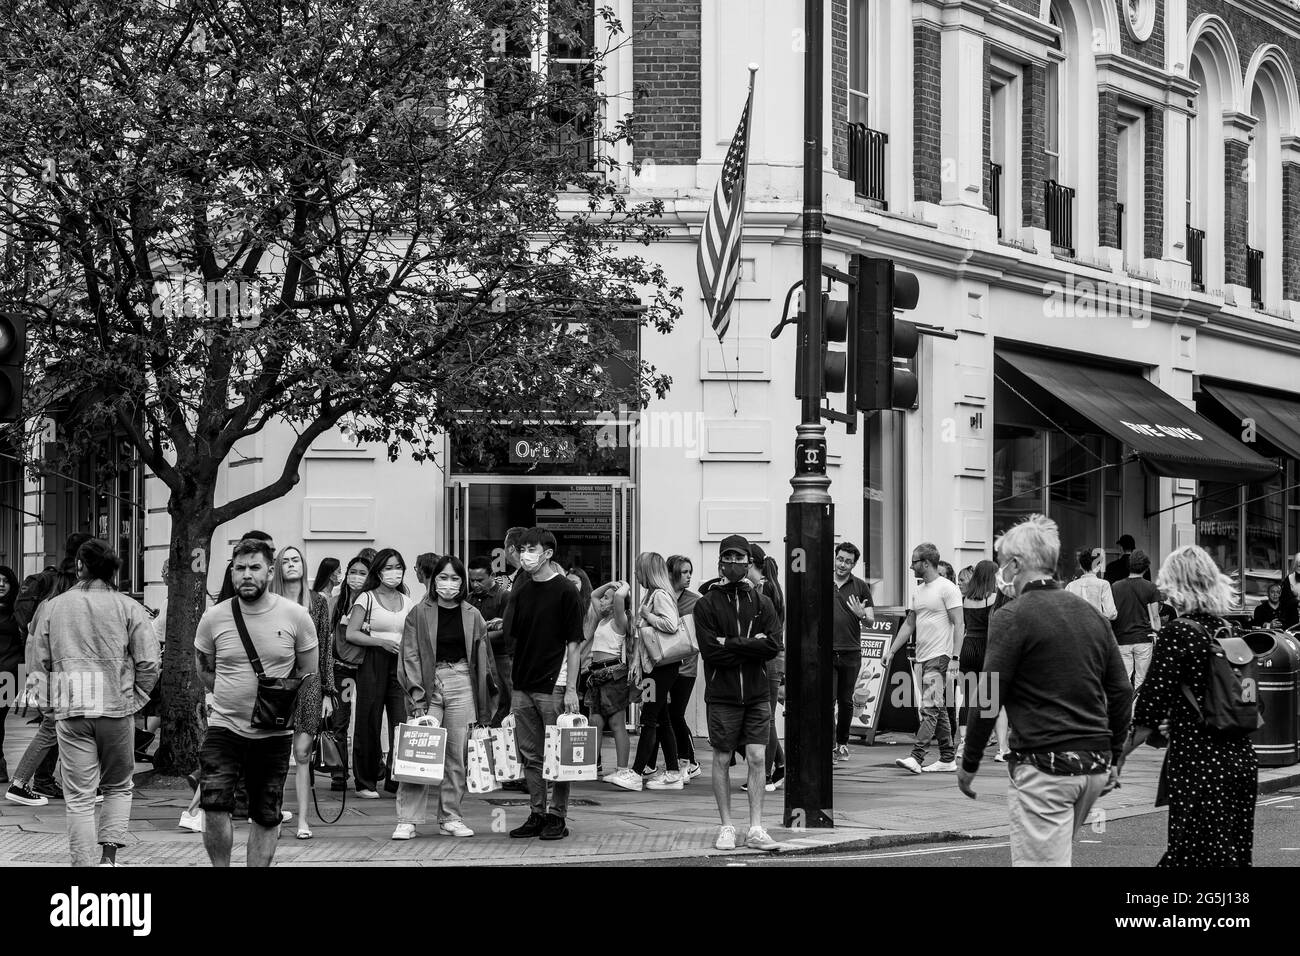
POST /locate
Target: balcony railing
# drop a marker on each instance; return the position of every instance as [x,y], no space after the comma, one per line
[1119,226]
[995,193]
[867,161]
[1196,256]
[1255,276]
[1058,202]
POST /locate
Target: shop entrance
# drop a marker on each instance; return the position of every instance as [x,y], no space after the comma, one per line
[592,519]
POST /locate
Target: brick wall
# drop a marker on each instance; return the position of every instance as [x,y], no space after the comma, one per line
[1152,51]
[1290,235]
[1107,167]
[927,149]
[666,80]
[1033,161]
[1153,213]
[1025,6]
[988,126]
[1248,32]
[1236,213]
[840,86]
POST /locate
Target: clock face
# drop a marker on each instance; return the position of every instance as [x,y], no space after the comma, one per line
[1141,18]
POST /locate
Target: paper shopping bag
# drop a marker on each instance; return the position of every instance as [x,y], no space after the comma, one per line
[571,750]
[479,774]
[420,752]
[506,766]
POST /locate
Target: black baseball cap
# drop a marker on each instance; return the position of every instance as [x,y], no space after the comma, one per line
[733,542]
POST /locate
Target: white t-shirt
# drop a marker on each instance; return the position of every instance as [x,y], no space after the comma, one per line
[932,602]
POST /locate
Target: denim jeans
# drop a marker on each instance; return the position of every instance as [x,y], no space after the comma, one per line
[377,692]
[96,752]
[451,700]
[934,715]
[1137,659]
[534,712]
[847,666]
[39,752]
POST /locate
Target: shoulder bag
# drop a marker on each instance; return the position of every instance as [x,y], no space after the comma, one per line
[273,706]
[661,648]
[345,652]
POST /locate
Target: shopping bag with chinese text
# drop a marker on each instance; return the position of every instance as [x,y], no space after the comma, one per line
[505,752]
[571,750]
[419,751]
[479,774]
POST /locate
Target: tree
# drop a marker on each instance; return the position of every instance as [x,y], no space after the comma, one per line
[387,213]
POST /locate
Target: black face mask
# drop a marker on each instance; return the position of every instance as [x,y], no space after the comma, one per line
[733,573]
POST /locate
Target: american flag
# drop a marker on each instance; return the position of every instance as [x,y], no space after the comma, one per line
[718,259]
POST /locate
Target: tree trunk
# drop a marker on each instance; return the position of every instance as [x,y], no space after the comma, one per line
[184,718]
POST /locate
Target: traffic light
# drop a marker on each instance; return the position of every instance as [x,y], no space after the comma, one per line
[835,363]
[884,341]
[13,347]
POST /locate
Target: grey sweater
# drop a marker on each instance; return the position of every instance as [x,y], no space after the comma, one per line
[1053,663]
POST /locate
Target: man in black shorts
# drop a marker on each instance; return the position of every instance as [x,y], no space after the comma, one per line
[739,632]
[282,633]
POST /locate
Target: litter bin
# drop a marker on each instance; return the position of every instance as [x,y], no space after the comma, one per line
[1277,743]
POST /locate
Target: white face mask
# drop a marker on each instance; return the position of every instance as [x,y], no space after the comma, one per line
[448,592]
[531,562]
[1001,583]
[356,581]
[392,578]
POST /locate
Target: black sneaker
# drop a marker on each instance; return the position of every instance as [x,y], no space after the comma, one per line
[26,796]
[554,829]
[532,827]
[48,788]
[4,771]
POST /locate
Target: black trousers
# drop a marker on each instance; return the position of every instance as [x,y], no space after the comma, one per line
[847,665]
[655,723]
[345,682]
[377,692]
[679,698]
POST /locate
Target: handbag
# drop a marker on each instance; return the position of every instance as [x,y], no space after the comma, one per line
[328,755]
[663,648]
[276,698]
[346,653]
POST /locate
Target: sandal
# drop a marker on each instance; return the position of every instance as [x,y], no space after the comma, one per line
[304,833]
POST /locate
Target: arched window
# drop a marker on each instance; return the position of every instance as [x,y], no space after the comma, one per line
[1271,101]
[1214,68]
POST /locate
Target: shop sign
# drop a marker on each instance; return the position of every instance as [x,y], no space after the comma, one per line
[529,450]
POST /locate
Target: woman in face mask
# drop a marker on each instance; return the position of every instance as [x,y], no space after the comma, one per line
[347,656]
[375,622]
[445,664]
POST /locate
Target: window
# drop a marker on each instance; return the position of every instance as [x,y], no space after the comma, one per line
[884,500]
[1005,144]
[1055,61]
[104,495]
[1130,193]
[859,62]
[570,49]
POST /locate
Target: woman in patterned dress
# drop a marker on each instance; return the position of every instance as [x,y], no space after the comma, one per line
[1211,779]
[316,698]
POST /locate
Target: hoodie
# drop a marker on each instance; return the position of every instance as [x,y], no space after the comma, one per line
[728,620]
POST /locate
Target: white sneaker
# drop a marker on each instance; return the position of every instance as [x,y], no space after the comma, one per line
[192,821]
[940,767]
[609,777]
[665,781]
[456,828]
[693,770]
[908,763]
[404,831]
[684,771]
[759,839]
[368,794]
[285,816]
[726,838]
[1001,756]
[626,779]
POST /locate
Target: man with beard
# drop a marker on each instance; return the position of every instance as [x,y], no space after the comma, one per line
[284,638]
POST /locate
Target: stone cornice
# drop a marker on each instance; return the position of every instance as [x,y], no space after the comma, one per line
[1237,127]
[1005,24]
[1135,80]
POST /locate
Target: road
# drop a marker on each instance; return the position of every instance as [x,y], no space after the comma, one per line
[1135,841]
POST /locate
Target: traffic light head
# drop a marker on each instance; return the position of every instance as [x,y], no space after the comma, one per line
[835,364]
[885,342]
[13,349]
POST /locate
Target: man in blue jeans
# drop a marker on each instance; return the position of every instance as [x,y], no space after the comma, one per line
[940,628]
[545,615]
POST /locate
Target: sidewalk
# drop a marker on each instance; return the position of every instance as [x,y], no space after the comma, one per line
[876,805]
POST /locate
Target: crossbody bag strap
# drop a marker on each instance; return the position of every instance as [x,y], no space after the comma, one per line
[248,641]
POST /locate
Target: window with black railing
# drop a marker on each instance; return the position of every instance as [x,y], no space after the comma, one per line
[1058,202]
[995,193]
[1255,276]
[1196,256]
[867,161]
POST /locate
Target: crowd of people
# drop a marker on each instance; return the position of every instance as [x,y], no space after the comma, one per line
[1083,673]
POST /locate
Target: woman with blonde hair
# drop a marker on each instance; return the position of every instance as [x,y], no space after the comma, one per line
[316,698]
[1210,777]
[659,611]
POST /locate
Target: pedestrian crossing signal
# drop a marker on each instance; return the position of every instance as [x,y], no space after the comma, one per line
[13,349]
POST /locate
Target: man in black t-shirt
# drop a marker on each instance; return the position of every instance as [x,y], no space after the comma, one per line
[1137,606]
[852,607]
[545,626]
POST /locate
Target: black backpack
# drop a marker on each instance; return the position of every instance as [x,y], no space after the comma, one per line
[1231,704]
[35,589]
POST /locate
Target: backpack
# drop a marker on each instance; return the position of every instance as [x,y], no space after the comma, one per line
[35,589]
[1231,686]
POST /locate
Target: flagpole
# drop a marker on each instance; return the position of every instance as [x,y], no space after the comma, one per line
[810,514]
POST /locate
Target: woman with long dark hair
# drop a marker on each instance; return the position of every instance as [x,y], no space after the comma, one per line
[982,598]
[347,657]
[328,575]
[375,622]
[679,695]
[13,639]
[659,611]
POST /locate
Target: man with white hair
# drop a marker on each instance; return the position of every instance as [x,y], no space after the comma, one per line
[1057,669]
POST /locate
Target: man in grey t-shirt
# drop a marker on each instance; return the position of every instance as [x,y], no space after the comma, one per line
[285,640]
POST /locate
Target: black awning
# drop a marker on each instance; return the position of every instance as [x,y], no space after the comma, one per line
[1169,438]
[1275,418]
